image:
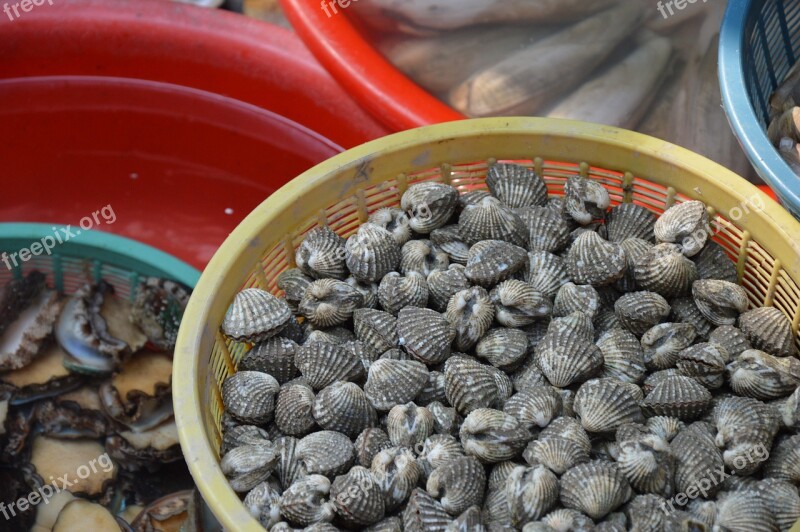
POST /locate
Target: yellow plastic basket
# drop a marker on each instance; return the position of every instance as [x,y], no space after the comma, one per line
[344,190]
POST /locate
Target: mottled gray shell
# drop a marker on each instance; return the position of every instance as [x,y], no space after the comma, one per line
[531,493]
[492,261]
[395,221]
[443,284]
[547,229]
[396,292]
[249,396]
[489,219]
[594,488]
[393,382]
[628,220]
[425,334]
[518,303]
[470,312]
[665,270]
[604,404]
[493,436]
[595,261]
[322,364]
[371,253]
[515,185]
[585,200]
[639,311]
[546,272]
[274,356]
[356,498]
[343,407]
[430,205]
[293,410]
[326,453]
[458,484]
[423,257]
[677,396]
[685,224]
[321,254]
[768,329]
[255,315]
[328,302]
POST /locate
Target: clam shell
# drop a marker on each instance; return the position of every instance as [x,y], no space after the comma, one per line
[713,263]
[433,390]
[395,221]
[423,513]
[556,453]
[784,460]
[685,224]
[577,324]
[444,284]
[768,329]
[546,272]
[409,424]
[321,254]
[371,253]
[572,297]
[789,410]
[356,498]
[568,428]
[720,302]
[255,315]
[731,338]
[685,310]
[645,512]
[473,197]
[499,473]
[493,261]
[376,328]
[333,335]
[445,419]
[515,185]
[705,363]
[628,220]
[605,321]
[396,472]
[782,499]
[594,488]
[249,465]
[437,450]
[263,503]
[505,388]
[639,311]
[677,396]
[469,385]
[656,377]
[289,469]
[325,452]
[566,358]
[390,524]
[430,205]
[595,261]
[470,312]
[393,382]
[546,229]
[489,219]
[304,502]
[240,435]
[635,250]
[293,282]
[396,292]
[531,493]
[458,484]
[528,375]
[503,348]
[604,404]
[369,443]
[293,410]
[425,334]
[517,303]
[585,200]
[470,519]
[423,257]
[368,291]
[274,356]
[744,425]
[322,364]
[623,357]
[648,469]
[534,407]
[493,436]
[343,407]
[664,342]
[742,511]
[758,374]
[448,239]
[664,427]
[567,519]
[249,396]
[665,270]
[328,302]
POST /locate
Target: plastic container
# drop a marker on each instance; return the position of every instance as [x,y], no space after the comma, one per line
[343,191]
[759,43]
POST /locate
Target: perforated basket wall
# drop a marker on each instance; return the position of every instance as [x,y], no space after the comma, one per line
[759,236]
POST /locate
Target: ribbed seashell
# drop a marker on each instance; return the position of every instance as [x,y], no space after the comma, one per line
[395,221]
[249,396]
[423,513]
[294,331]
[448,239]
[332,335]
[566,358]
[720,302]
[356,498]
[321,254]
[392,382]
[473,197]
[663,343]
[763,376]
[628,220]
[784,460]
[547,229]
[433,390]
[567,401]
[409,424]
[623,357]
[293,282]
[343,407]
[505,388]
[606,321]
[437,450]
[768,329]
[458,484]
[744,425]
[518,304]
[546,272]
[304,502]
[585,200]
[445,419]
[293,410]
[789,410]
[493,261]
[289,468]
[705,363]
[239,435]
[531,493]
[534,407]
[444,284]
[493,436]
[489,219]
[528,375]
[325,452]
[423,257]
[647,468]
[594,488]
[639,311]
[515,185]
[782,499]
[503,348]
[255,315]
[556,453]
[389,524]
[376,328]
[713,263]
[572,297]
[371,253]
[499,473]
[396,472]
[567,519]
[430,205]
[677,396]
[685,224]
[731,338]
[263,503]
[685,310]
[604,404]
[323,364]
[395,354]
[656,377]
[743,511]
[274,356]
[569,428]
[369,443]
[665,270]
[595,261]
[328,302]
[470,312]
[645,512]
[469,519]
[635,250]
[664,427]
[368,291]
[248,466]
[396,291]
[425,334]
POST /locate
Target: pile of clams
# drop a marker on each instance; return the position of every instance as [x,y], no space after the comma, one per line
[87,434]
[505,360]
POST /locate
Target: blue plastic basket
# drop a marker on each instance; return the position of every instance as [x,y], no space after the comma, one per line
[759,43]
